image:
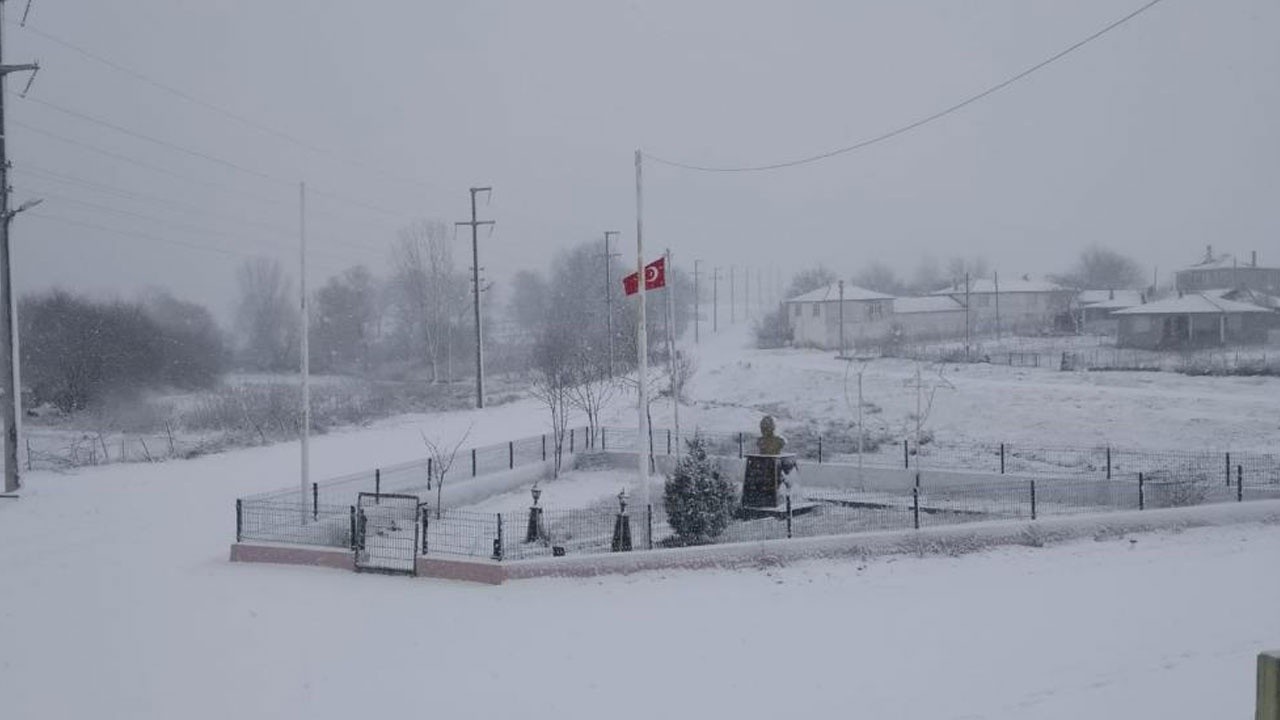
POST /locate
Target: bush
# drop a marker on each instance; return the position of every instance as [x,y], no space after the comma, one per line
[699,501]
[773,330]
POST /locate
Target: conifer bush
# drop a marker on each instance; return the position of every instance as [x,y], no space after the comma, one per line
[700,503]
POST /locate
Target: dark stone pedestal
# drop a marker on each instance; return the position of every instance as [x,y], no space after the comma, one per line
[621,534]
[760,482]
[535,531]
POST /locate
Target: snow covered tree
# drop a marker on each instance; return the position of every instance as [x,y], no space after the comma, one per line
[698,499]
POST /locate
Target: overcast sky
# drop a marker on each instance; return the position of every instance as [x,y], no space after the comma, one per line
[1155,140]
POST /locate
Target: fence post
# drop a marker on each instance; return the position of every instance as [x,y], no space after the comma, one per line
[604,442]
[1001,458]
[239,519]
[906,455]
[668,441]
[739,445]
[511,454]
[1108,462]
[29,454]
[426,523]
[788,516]
[377,486]
[570,439]
[649,526]
[353,527]
[473,462]
[1240,483]
[497,542]
[1033,499]
[915,507]
[430,472]
[315,501]
[544,447]
[1142,493]
[1228,469]
[819,449]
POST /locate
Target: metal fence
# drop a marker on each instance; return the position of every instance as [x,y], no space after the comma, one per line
[1037,482]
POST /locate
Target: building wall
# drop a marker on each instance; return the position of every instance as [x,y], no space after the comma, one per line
[1168,332]
[1266,280]
[1019,311]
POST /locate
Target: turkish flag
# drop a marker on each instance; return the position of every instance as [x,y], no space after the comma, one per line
[655,276]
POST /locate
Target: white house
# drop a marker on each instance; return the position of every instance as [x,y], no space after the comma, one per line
[870,317]
[1015,305]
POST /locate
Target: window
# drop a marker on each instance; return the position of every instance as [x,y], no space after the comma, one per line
[875,311]
[817,307]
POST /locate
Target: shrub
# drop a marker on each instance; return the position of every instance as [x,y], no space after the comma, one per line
[699,501]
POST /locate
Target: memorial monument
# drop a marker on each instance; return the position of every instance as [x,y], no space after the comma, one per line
[771,474]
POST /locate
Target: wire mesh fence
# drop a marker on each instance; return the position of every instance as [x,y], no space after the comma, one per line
[1003,482]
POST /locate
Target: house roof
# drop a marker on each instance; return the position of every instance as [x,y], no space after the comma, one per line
[933,303]
[1193,304]
[1109,298]
[831,293]
[1012,285]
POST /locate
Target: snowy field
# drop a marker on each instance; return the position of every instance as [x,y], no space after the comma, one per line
[118,602]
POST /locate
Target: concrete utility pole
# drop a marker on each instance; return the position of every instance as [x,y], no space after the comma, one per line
[475,289]
[733,302]
[608,292]
[966,317]
[715,301]
[697,304]
[643,447]
[8,336]
[746,294]
[842,329]
[995,278]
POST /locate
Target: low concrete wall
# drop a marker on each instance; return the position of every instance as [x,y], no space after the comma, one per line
[951,539]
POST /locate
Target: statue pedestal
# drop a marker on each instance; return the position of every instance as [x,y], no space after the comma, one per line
[760,482]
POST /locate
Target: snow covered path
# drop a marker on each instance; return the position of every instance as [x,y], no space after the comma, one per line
[116,601]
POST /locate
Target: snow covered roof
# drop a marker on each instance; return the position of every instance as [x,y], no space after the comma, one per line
[1215,262]
[933,303]
[831,293]
[1011,285]
[1109,298]
[1193,304]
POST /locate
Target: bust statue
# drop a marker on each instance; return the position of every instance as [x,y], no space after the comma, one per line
[768,442]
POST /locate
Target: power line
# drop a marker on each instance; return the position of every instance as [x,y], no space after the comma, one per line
[918,123]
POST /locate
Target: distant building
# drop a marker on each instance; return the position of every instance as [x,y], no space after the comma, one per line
[1194,320]
[1227,271]
[1018,305]
[1095,308]
[815,316]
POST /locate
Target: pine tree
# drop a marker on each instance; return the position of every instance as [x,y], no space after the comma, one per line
[699,501]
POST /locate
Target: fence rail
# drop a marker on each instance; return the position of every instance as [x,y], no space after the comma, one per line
[1034,483]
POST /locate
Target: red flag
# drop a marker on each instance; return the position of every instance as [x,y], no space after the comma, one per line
[655,276]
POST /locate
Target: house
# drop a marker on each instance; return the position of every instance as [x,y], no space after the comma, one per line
[1191,320]
[870,317]
[1226,271]
[1015,305]
[1094,308]
[815,316]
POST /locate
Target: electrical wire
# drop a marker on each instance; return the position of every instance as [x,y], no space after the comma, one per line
[915,124]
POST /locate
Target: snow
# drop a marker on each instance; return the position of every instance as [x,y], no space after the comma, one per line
[1193,304]
[118,602]
[831,293]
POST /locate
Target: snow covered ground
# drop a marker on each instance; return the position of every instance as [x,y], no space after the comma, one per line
[118,602]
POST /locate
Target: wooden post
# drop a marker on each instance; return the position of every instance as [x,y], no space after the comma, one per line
[1033,499]
[1142,496]
[906,455]
[1268,706]
[1001,458]
[819,449]
[915,507]
[511,454]
[1239,483]
[377,485]
[473,462]
[1228,469]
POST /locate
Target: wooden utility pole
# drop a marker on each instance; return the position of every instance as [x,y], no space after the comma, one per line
[715,301]
[475,289]
[697,302]
[733,302]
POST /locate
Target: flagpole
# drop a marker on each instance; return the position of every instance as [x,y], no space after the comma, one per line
[642,351]
[305,351]
[671,349]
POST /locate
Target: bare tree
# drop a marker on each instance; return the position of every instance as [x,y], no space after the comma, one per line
[267,318]
[432,294]
[592,388]
[553,382]
[442,457]
[1101,269]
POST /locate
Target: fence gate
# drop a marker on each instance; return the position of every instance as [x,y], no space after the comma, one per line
[386,533]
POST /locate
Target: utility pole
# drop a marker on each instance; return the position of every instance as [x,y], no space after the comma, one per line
[995,277]
[697,304]
[746,294]
[966,323]
[608,292]
[842,327]
[305,439]
[643,447]
[8,356]
[475,289]
[733,303]
[671,351]
[715,301]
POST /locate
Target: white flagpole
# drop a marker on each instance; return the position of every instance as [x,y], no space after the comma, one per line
[671,349]
[306,350]
[642,350]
